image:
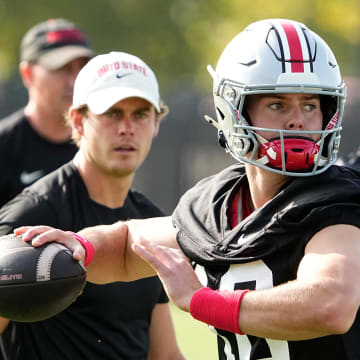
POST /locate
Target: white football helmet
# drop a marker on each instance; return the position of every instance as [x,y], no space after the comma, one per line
[278,56]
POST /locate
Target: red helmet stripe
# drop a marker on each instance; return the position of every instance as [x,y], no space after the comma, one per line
[296,54]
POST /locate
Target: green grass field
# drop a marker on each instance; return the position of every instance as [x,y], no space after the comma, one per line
[196,341]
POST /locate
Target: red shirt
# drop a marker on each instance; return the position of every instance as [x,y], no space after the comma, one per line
[233,212]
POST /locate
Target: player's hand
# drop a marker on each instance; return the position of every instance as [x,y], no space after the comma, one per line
[40,235]
[175,272]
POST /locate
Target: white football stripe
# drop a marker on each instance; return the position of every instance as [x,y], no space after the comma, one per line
[284,42]
[305,50]
[43,267]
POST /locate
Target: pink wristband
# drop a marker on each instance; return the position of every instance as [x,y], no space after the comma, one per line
[218,308]
[87,245]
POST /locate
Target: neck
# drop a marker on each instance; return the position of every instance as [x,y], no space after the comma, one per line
[263,185]
[105,189]
[47,123]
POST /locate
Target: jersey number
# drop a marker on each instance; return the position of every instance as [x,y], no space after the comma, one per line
[254,276]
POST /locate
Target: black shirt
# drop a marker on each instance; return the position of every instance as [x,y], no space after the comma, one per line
[25,156]
[107,321]
[265,248]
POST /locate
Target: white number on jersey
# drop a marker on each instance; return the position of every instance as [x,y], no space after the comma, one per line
[255,276]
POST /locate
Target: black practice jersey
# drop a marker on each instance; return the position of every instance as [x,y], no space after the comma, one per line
[25,156]
[106,322]
[265,248]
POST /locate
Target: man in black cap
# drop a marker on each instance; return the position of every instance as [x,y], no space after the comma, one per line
[35,140]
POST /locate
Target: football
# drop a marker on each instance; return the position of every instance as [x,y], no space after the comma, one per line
[37,282]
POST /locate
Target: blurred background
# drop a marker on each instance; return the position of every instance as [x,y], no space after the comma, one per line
[178,38]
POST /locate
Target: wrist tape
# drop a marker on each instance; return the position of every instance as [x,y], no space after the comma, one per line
[218,308]
[87,245]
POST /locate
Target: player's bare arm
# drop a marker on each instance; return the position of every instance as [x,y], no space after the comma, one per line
[114,258]
[157,230]
[321,301]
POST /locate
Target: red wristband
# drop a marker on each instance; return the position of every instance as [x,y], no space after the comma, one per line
[87,245]
[218,308]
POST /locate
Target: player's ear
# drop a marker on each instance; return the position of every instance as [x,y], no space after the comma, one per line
[26,73]
[164,110]
[77,118]
[156,126]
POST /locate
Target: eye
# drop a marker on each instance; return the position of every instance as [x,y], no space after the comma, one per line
[110,113]
[141,114]
[275,106]
[310,107]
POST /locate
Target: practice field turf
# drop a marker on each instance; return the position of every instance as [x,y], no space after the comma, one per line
[196,341]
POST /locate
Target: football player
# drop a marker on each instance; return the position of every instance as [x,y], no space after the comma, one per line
[274,239]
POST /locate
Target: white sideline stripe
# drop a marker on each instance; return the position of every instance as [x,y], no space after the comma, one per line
[43,267]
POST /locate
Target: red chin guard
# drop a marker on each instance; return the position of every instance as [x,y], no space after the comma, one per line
[299,153]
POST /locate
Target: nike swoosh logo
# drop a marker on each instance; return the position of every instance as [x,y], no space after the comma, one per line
[123,75]
[244,239]
[28,178]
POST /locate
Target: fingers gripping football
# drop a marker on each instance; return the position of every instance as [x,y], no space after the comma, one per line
[40,235]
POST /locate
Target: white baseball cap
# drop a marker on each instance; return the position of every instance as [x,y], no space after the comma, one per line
[109,78]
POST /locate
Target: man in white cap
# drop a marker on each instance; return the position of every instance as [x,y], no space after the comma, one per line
[115,115]
[35,139]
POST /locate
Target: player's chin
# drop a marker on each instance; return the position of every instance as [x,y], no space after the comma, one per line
[122,169]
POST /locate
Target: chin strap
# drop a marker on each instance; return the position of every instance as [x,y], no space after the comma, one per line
[300,154]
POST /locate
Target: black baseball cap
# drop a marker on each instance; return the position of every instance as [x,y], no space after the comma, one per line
[54,43]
